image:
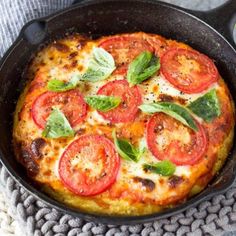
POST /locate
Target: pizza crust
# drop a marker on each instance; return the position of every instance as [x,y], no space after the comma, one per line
[129,195]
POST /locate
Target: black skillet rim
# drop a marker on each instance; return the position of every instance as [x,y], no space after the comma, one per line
[111,219]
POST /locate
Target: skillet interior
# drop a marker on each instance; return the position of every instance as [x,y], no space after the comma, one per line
[103,18]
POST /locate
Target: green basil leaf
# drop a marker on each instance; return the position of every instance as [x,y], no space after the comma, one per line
[93,75]
[165,168]
[176,111]
[142,67]
[207,107]
[126,150]
[100,66]
[102,102]
[57,125]
[60,86]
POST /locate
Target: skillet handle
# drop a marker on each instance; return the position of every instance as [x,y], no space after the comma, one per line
[222,18]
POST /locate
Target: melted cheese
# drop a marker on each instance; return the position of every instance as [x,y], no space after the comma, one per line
[126,196]
[95,118]
[167,88]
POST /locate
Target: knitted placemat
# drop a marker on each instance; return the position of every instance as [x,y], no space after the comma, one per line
[8,225]
[23,214]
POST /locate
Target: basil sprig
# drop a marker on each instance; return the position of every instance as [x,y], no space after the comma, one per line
[57,125]
[176,111]
[60,86]
[142,67]
[100,66]
[102,102]
[165,168]
[126,150]
[207,107]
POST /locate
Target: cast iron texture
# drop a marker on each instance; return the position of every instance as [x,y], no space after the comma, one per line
[106,17]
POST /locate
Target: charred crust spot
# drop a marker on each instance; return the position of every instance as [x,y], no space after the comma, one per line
[175,180]
[73,63]
[165,98]
[80,131]
[36,147]
[28,161]
[81,44]
[61,47]
[168,98]
[147,183]
[72,55]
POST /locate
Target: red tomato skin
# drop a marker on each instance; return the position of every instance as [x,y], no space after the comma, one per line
[200,135]
[117,115]
[213,74]
[95,188]
[46,96]
[125,48]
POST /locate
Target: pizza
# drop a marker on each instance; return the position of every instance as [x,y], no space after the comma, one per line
[127,124]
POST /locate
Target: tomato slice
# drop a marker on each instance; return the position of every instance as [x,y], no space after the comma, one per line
[169,139]
[130,100]
[89,165]
[188,70]
[124,49]
[71,103]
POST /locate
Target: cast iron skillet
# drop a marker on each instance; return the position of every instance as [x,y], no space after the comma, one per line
[108,17]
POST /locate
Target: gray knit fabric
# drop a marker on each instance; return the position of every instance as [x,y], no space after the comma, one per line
[214,217]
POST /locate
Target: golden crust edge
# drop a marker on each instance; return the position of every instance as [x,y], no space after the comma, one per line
[221,155]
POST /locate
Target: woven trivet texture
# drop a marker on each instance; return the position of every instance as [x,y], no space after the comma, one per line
[22,214]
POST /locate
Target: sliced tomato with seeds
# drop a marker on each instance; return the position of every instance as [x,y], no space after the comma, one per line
[188,70]
[71,103]
[124,49]
[130,100]
[168,139]
[89,165]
